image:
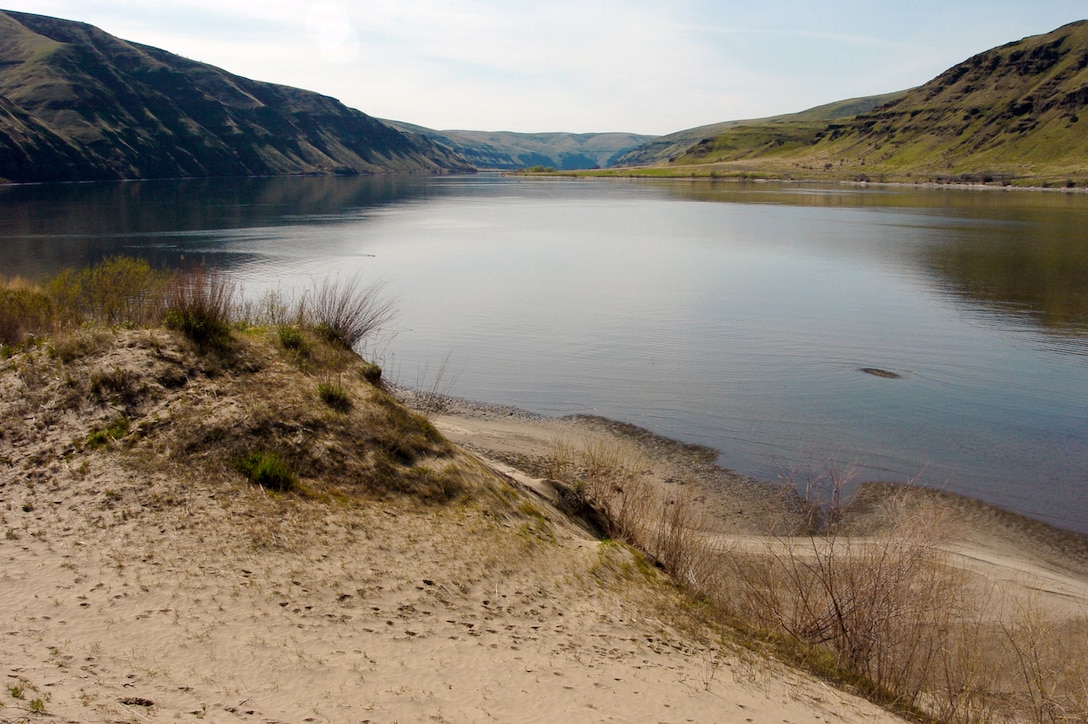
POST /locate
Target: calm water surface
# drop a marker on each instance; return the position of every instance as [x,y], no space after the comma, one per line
[737,316]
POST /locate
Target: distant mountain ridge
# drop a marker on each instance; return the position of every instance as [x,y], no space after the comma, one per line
[508,150]
[78,104]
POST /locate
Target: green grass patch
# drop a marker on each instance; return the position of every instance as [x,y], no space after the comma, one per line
[115,430]
[334,396]
[293,340]
[269,471]
[371,372]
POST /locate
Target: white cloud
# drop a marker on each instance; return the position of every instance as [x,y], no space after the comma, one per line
[577,65]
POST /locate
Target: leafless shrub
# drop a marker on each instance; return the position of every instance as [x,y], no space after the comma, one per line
[609,475]
[1050,663]
[826,490]
[273,308]
[676,537]
[559,461]
[612,477]
[200,304]
[347,313]
[881,605]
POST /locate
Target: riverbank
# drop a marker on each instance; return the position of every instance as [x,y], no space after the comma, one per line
[146,577]
[999,545]
[377,574]
[756,175]
[944,606]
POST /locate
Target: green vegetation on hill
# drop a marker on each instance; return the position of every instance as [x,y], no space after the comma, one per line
[746,138]
[119,343]
[78,104]
[1013,114]
[1009,113]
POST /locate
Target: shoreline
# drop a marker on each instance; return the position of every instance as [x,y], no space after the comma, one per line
[741,178]
[1027,559]
[703,459]
[144,578]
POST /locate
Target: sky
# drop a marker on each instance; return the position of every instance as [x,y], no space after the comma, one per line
[653,66]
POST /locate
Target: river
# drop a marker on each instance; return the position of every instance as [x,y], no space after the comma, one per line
[739,316]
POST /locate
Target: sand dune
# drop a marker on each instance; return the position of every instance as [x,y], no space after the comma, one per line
[134,587]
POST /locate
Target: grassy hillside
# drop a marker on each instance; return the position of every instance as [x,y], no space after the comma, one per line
[1011,112]
[507,150]
[749,137]
[1014,114]
[79,104]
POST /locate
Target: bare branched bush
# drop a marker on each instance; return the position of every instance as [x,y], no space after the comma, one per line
[559,463]
[273,308]
[200,304]
[676,537]
[612,477]
[826,491]
[346,312]
[881,605]
[1049,672]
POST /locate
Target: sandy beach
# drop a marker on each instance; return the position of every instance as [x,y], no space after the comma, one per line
[135,588]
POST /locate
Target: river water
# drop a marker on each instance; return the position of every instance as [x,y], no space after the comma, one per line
[739,316]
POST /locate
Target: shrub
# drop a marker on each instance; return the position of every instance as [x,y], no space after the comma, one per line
[115,430]
[268,470]
[200,305]
[117,290]
[334,396]
[371,372]
[291,338]
[23,312]
[346,314]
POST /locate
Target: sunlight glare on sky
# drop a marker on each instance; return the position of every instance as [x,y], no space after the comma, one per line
[579,66]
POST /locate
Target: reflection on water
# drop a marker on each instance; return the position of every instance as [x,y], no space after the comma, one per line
[1024,254]
[45,228]
[1034,270]
[738,316]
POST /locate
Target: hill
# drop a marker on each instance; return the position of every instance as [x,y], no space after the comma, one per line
[77,104]
[1013,114]
[749,137]
[241,522]
[506,150]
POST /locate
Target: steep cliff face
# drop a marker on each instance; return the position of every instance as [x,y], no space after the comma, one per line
[79,104]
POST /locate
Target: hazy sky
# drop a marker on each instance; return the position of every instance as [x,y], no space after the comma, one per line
[653,66]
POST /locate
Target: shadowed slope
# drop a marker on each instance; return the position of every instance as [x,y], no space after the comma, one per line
[79,104]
